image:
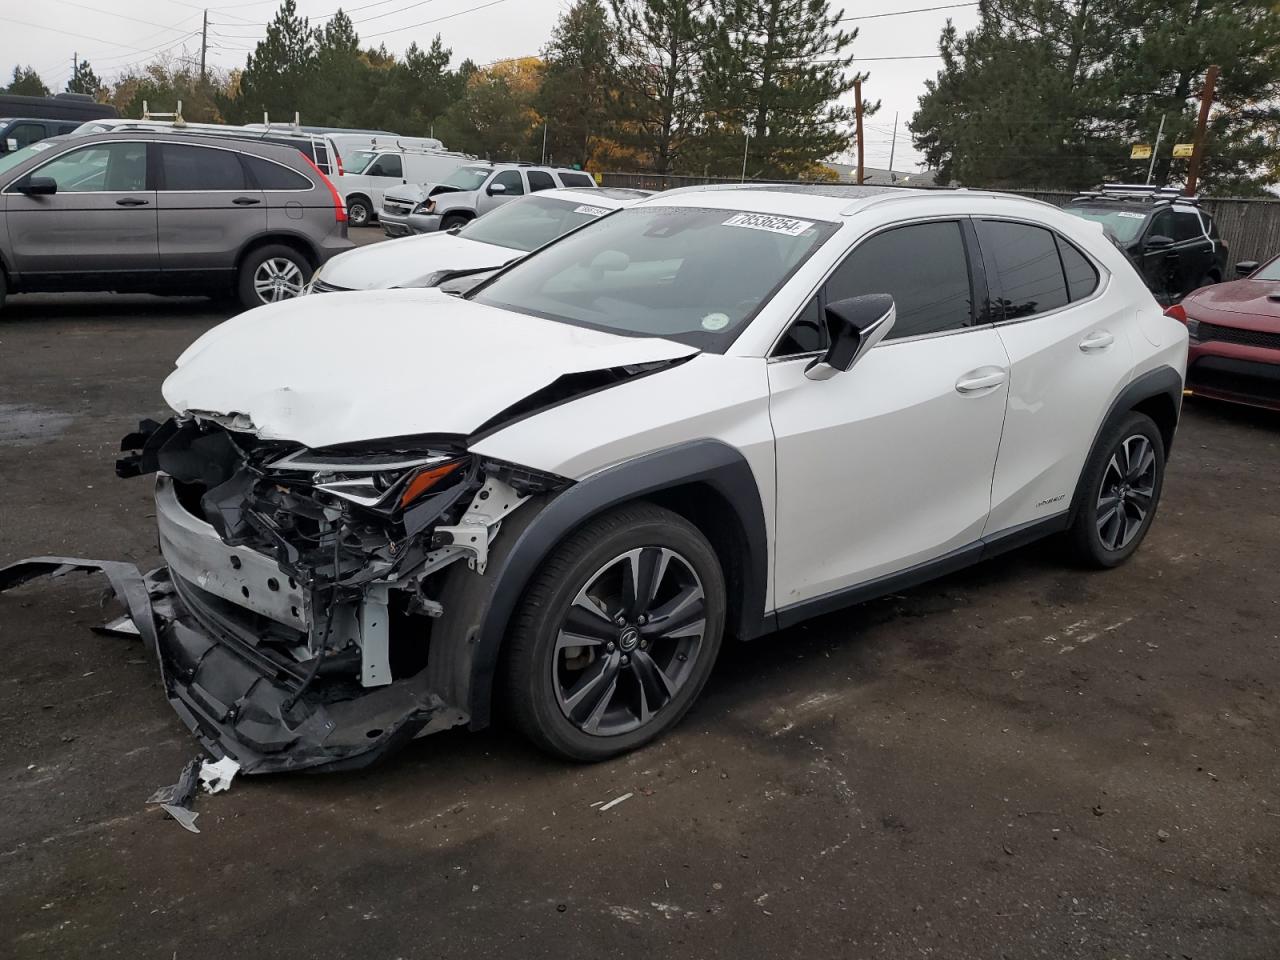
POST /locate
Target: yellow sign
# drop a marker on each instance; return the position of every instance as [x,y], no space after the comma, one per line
[1182,150]
[1140,151]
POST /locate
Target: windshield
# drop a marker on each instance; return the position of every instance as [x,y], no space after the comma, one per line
[689,274]
[1269,271]
[10,160]
[466,178]
[359,160]
[1124,225]
[530,222]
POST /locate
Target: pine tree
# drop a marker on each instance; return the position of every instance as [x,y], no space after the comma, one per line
[659,50]
[575,98]
[84,80]
[279,72]
[494,116]
[775,70]
[27,83]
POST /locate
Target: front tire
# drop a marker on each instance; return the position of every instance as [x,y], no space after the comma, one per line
[617,634]
[272,273]
[453,220]
[1119,493]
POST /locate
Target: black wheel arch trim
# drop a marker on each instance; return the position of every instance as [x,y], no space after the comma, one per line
[475,638]
[1163,381]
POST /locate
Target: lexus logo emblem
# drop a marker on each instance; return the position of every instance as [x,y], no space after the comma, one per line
[628,638]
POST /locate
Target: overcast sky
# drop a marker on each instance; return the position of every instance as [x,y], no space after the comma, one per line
[115,34]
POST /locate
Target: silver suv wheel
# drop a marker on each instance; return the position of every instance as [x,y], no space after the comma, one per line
[278,278]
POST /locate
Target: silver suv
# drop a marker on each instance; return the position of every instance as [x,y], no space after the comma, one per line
[165,213]
[469,192]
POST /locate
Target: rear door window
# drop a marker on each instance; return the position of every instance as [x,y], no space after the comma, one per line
[192,168]
[1028,271]
[540,180]
[1186,226]
[924,268]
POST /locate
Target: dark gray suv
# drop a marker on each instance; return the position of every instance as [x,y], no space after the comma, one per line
[165,213]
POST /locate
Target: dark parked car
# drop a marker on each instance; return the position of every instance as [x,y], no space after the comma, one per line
[19,132]
[24,120]
[1235,337]
[1173,243]
[163,213]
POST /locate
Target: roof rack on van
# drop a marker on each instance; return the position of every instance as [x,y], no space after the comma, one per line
[174,117]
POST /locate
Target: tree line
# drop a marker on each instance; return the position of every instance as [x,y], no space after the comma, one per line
[690,86]
[1054,93]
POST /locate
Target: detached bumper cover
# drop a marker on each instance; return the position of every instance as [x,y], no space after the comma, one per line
[235,702]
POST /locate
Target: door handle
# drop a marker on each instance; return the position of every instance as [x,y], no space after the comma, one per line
[131,202]
[981,380]
[1096,340]
[245,201]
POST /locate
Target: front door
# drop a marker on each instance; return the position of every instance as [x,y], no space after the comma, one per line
[386,171]
[512,186]
[888,465]
[101,220]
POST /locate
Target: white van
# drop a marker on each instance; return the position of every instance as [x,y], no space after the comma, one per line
[367,172]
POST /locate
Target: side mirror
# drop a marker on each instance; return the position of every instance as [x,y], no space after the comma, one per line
[1246,267]
[1159,242]
[854,326]
[38,186]
[495,188]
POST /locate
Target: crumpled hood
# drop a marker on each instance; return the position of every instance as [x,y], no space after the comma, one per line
[395,262]
[1252,297]
[410,193]
[343,367]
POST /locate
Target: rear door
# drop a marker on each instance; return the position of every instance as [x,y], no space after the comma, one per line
[1069,354]
[208,209]
[102,220]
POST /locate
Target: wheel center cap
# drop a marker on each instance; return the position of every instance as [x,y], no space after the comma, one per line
[628,638]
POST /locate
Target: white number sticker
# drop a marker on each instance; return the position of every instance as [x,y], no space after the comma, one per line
[1131,216]
[764,221]
[591,211]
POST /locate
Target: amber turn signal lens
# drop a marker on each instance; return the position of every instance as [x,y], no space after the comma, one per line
[425,479]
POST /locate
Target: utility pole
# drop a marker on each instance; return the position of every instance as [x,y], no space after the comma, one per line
[745,146]
[857,113]
[1155,152]
[1197,149]
[544,142]
[893,144]
[75,68]
[204,43]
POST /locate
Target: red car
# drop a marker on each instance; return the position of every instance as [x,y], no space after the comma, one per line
[1235,337]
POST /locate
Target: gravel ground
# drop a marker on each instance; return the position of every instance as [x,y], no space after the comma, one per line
[1022,760]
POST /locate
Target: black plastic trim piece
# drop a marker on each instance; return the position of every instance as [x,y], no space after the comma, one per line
[706,461]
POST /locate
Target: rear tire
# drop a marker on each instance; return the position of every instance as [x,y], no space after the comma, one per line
[272,273]
[1119,493]
[359,211]
[641,592]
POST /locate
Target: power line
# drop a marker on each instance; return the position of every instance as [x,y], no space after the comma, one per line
[68,33]
[112,13]
[414,26]
[903,13]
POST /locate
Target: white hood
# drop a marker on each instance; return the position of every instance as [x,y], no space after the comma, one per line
[344,367]
[395,262]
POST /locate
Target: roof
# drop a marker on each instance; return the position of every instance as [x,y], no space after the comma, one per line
[270,148]
[589,195]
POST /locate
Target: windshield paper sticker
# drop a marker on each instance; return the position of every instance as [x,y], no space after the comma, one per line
[1131,216]
[763,221]
[591,211]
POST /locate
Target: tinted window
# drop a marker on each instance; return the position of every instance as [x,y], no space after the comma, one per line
[807,333]
[1186,226]
[511,180]
[1162,225]
[577,180]
[66,128]
[540,180]
[923,267]
[22,134]
[1082,278]
[200,168]
[116,167]
[1027,272]
[274,176]
[387,165]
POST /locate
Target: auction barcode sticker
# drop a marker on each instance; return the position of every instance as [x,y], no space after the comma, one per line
[764,221]
[591,211]
[1131,216]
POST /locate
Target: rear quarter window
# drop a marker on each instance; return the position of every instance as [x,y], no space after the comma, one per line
[268,175]
[577,180]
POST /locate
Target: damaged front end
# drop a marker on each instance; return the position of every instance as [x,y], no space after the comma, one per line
[294,618]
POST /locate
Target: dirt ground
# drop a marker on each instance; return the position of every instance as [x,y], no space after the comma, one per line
[1022,760]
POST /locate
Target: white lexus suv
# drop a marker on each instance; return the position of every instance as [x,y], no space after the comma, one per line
[714,413]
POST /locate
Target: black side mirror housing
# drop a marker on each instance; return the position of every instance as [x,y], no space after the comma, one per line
[854,326]
[38,186]
[1246,267]
[1159,242]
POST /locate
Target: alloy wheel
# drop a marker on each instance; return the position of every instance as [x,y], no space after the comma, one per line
[1127,492]
[277,279]
[629,641]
